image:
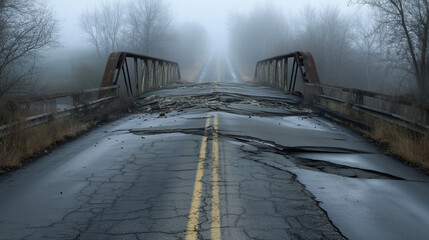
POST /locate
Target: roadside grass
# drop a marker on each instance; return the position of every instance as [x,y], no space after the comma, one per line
[28,142]
[13,110]
[10,111]
[397,140]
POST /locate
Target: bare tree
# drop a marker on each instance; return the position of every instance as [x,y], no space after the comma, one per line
[261,33]
[408,33]
[144,25]
[149,23]
[328,35]
[104,27]
[366,41]
[26,27]
[189,44]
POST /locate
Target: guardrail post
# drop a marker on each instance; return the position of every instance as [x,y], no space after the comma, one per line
[143,79]
[136,74]
[173,72]
[266,73]
[279,73]
[273,73]
[166,80]
[156,76]
[285,73]
[53,104]
[75,100]
[359,98]
[163,74]
[169,73]
[151,74]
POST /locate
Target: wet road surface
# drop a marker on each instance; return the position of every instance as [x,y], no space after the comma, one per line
[216,160]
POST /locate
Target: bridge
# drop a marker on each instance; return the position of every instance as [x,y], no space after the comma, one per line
[219,159]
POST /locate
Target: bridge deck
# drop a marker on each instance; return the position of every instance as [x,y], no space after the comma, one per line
[216,160]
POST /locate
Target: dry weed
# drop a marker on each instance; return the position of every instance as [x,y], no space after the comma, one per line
[10,111]
[410,146]
[25,143]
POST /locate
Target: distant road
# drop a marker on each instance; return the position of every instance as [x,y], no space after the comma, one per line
[219,69]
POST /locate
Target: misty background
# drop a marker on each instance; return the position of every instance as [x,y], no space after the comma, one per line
[350,46]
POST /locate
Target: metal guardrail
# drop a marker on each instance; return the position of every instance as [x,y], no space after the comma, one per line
[61,101]
[75,95]
[146,72]
[410,114]
[45,109]
[275,71]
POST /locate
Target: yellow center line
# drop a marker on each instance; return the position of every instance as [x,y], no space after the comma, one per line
[192,228]
[215,213]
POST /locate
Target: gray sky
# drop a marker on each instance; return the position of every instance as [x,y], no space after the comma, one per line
[212,14]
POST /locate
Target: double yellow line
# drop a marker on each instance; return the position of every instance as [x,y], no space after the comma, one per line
[192,228]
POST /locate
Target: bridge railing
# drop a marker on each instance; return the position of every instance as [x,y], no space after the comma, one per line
[63,101]
[284,71]
[411,114]
[43,109]
[138,73]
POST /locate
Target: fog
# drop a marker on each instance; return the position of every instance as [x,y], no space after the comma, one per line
[74,64]
[341,35]
[212,14]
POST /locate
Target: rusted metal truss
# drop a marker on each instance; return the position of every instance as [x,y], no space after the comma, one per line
[145,73]
[275,71]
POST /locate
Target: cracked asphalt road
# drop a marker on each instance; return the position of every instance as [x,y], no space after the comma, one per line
[216,160]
